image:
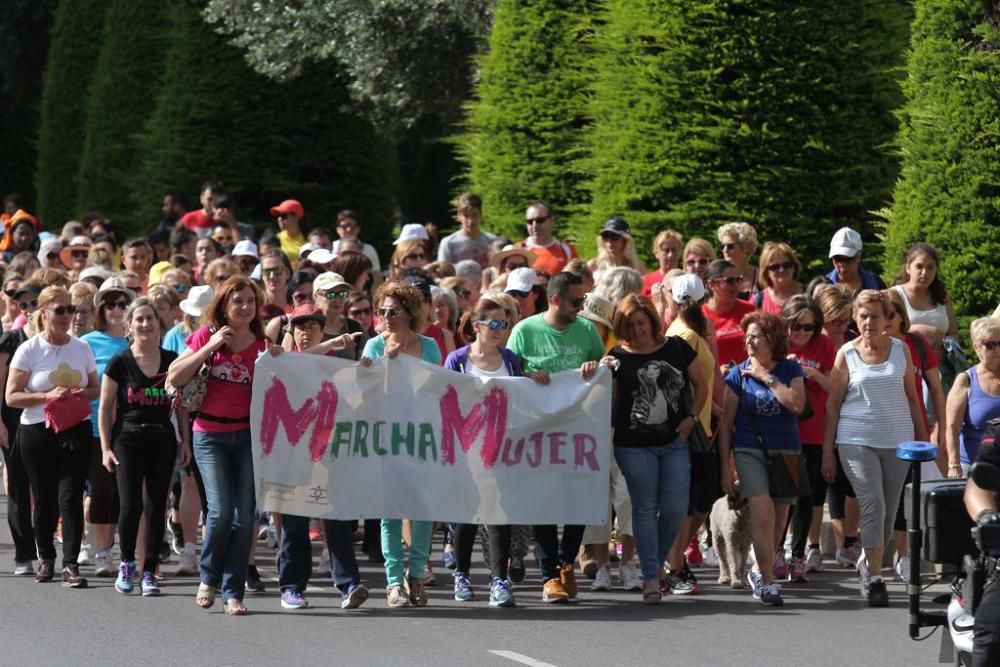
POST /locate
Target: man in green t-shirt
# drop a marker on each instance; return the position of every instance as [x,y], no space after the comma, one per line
[553,341]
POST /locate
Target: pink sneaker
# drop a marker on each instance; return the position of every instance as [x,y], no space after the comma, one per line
[780,564]
[798,571]
[693,553]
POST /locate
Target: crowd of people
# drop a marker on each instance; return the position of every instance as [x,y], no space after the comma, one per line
[127,367]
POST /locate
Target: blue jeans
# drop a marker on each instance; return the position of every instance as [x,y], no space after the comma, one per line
[658,480]
[295,557]
[226,464]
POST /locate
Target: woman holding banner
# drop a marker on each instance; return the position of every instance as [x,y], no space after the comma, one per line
[401,310]
[229,342]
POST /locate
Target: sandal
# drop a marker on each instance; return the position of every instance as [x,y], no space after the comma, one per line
[652,597]
[235,607]
[206,596]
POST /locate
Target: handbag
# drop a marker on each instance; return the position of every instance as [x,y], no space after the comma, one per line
[62,414]
[698,440]
[192,394]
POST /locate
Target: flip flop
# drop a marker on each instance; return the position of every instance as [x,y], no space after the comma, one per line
[206,596]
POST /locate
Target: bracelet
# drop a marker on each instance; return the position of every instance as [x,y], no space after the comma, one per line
[954,465]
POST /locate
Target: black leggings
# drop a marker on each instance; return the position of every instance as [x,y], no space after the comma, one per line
[499,538]
[18,500]
[812,455]
[103,490]
[56,465]
[143,458]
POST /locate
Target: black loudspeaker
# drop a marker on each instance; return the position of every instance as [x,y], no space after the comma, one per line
[947,526]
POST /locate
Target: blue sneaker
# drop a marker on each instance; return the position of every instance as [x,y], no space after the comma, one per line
[756,584]
[500,594]
[293,599]
[149,587]
[449,560]
[463,588]
[771,595]
[354,597]
[124,583]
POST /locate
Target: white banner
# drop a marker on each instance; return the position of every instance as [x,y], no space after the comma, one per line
[405,439]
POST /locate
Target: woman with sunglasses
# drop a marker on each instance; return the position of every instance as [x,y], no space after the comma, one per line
[359,308]
[780,269]
[106,340]
[615,247]
[82,294]
[48,254]
[53,366]
[667,250]
[330,293]
[275,270]
[974,398]
[298,292]
[725,310]
[401,311]
[815,353]
[698,254]
[409,254]
[738,241]
[219,271]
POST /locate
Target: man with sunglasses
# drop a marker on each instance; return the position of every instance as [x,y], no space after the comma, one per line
[551,254]
[553,341]
[469,242]
[845,253]
[330,292]
[289,214]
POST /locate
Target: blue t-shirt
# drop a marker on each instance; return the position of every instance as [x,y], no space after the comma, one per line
[429,350]
[760,415]
[175,339]
[104,346]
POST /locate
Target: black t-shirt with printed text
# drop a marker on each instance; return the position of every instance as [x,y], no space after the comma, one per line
[650,403]
[143,402]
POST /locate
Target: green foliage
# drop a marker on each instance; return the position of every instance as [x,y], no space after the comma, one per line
[523,128]
[772,112]
[70,66]
[948,193]
[122,95]
[215,118]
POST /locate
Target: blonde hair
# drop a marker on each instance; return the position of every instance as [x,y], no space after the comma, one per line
[48,295]
[667,234]
[869,296]
[136,305]
[98,256]
[772,248]
[742,233]
[700,247]
[82,293]
[629,257]
[48,276]
[164,295]
[983,328]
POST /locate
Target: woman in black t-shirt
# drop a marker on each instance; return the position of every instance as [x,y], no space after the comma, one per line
[652,422]
[139,439]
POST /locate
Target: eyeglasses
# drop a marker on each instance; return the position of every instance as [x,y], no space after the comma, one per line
[223,239]
[495,324]
[416,255]
[518,293]
[779,266]
[388,313]
[113,305]
[701,261]
[728,246]
[28,305]
[359,312]
[542,220]
[274,271]
[301,297]
[62,310]
[991,345]
[808,328]
[843,259]
[733,280]
[337,294]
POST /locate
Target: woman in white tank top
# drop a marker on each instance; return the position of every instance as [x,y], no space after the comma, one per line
[923,291]
[872,407]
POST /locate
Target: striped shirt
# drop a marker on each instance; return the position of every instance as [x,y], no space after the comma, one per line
[875,411]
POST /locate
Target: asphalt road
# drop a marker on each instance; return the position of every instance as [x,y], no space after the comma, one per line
[824,622]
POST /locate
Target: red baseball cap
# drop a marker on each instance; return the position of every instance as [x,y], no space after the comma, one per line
[292,206]
[306,312]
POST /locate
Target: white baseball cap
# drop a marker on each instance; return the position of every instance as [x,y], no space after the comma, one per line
[200,297]
[521,280]
[414,230]
[845,243]
[321,256]
[245,248]
[687,286]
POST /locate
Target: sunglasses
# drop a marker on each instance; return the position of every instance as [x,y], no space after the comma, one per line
[610,236]
[223,239]
[78,254]
[841,259]
[113,305]
[733,280]
[53,255]
[728,246]
[701,261]
[518,293]
[359,312]
[337,294]
[577,303]
[542,220]
[26,305]
[808,328]
[416,255]
[274,271]
[180,289]
[780,266]
[495,324]
[991,345]
[388,313]
[63,310]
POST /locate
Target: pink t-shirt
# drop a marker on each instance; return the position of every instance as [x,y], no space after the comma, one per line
[227,401]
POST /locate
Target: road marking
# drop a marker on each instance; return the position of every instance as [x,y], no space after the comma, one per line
[523,659]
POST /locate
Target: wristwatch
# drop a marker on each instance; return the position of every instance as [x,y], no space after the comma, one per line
[770,381]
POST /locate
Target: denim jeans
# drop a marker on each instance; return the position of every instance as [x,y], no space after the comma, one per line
[295,557]
[392,549]
[658,479]
[226,464]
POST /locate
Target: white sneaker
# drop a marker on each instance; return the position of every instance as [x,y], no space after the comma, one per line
[84,557]
[903,568]
[188,562]
[864,576]
[23,569]
[631,581]
[602,581]
[814,561]
[849,557]
[711,559]
[103,567]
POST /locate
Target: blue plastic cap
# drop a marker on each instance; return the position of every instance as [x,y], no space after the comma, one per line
[915,450]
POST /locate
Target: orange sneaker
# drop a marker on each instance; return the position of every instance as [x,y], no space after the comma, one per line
[553,591]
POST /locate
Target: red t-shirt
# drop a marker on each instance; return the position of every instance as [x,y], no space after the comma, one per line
[819,354]
[551,258]
[434,331]
[728,332]
[919,368]
[649,280]
[227,401]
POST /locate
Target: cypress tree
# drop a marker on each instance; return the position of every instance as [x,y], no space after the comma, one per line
[773,112]
[522,128]
[215,118]
[121,97]
[72,55]
[948,192]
